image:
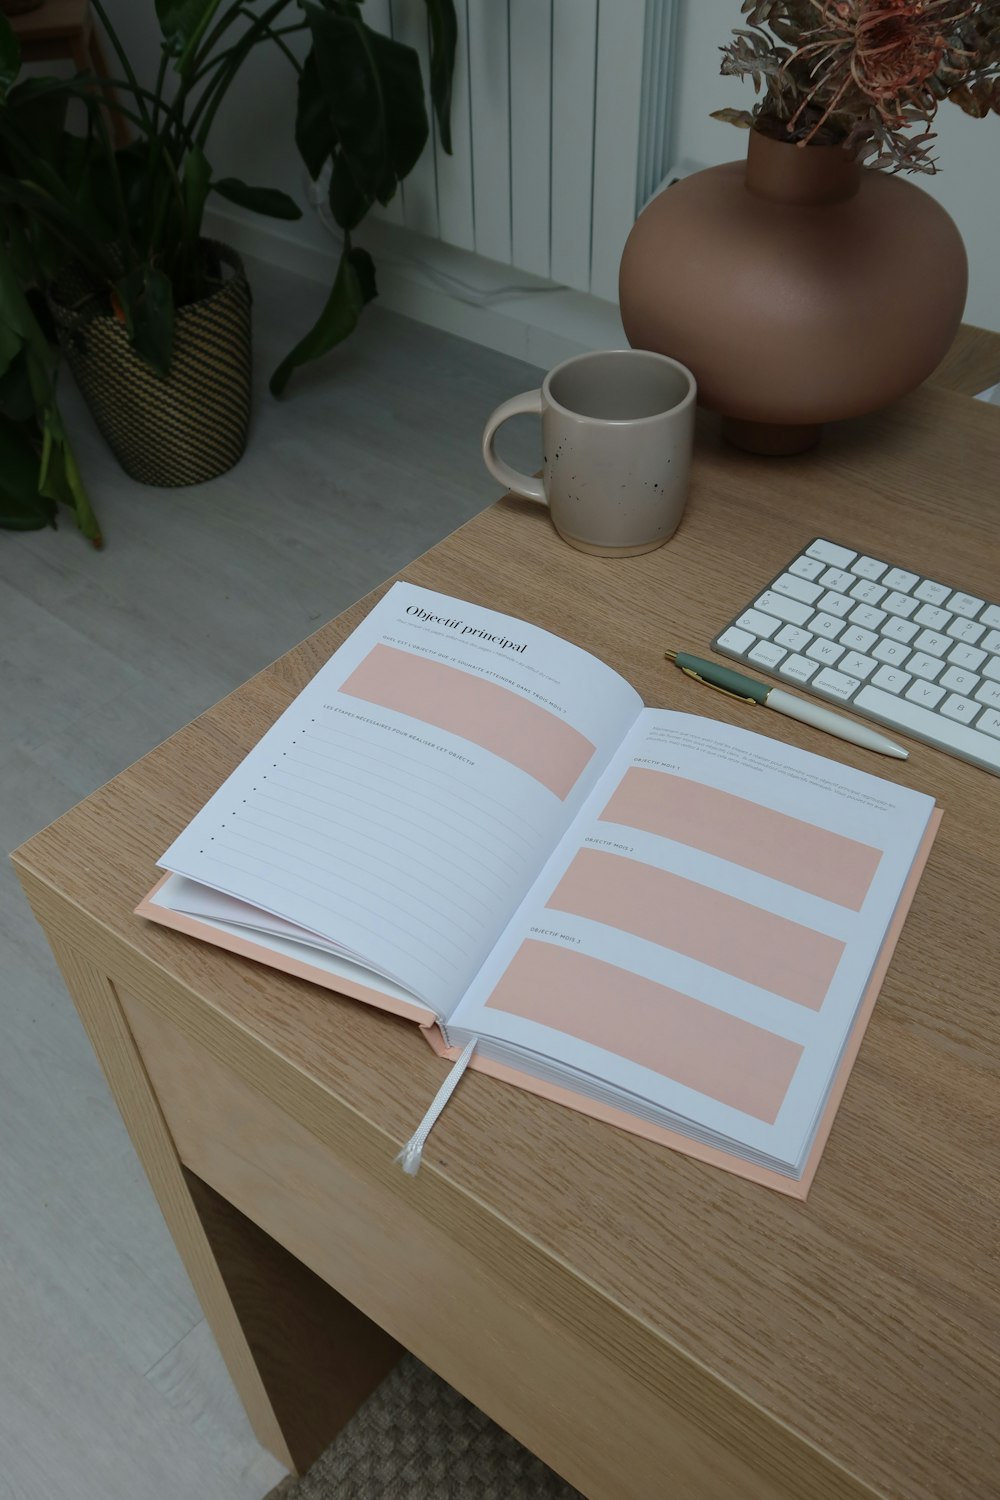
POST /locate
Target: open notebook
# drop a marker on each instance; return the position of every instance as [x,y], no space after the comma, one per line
[662,920]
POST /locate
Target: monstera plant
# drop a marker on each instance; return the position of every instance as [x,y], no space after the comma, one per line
[121,229]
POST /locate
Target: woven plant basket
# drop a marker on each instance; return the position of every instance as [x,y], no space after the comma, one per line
[191,425]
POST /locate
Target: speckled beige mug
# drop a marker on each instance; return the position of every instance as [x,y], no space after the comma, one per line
[617,435]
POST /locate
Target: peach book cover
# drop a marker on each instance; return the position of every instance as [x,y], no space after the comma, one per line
[662,920]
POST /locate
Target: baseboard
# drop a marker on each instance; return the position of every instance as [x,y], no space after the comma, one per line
[462,293]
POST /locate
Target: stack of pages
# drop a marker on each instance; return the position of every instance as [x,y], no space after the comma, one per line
[659,919]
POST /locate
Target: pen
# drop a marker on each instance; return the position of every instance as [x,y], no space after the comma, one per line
[751,691]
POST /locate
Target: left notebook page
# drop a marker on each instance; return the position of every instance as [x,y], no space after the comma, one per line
[403,804]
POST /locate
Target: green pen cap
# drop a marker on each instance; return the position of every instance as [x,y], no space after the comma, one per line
[723,677]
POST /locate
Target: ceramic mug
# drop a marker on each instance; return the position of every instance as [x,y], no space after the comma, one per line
[617,436]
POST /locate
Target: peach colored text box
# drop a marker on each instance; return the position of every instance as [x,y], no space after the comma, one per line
[740,939]
[518,731]
[758,838]
[694,1044]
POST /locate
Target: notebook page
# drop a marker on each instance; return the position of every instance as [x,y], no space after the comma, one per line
[703,935]
[405,801]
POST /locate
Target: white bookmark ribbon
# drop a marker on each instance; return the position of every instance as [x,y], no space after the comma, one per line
[410,1156]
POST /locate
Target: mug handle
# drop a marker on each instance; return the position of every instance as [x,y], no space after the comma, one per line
[529,488]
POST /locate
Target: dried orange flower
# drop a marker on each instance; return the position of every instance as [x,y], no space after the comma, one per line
[865,72]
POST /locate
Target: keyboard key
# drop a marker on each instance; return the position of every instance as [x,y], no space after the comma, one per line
[898,578]
[757,623]
[836,578]
[930,592]
[827,652]
[957,681]
[736,640]
[967,656]
[989,693]
[892,679]
[836,683]
[836,604]
[962,709]
[893,652]
[797,668]
[792,637]
[785,609]
[826,625]
[797,588]
[927,693]
[900,604]
[868,567]
[991,668]
[932,617]
[989,722]
[965,604]
[829,552]
[868,593]
[991,616]
[856,665]
[931,641]
[922,665]
[766,654]
[965,630]
[868,617]
[929,725]
[808,567]
[991,642]
[857,639]
[898,629]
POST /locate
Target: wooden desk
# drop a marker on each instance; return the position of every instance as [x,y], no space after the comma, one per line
[647,1325]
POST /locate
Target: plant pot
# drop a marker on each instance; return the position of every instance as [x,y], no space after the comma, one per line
[189,426]
[800,288]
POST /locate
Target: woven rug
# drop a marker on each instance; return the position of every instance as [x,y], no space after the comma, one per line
[416,1438]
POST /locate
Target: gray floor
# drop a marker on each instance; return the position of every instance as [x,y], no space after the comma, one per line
[110,1385]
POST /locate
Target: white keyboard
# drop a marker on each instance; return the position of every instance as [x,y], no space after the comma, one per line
[891,645]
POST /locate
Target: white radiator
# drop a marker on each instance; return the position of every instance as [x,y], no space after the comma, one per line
[560,126]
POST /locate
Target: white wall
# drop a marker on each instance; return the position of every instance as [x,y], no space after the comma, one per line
[967,183]
[254,135]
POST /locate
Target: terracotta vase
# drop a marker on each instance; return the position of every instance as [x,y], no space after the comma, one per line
[799,288]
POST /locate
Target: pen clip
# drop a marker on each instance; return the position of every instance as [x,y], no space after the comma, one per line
[740,698]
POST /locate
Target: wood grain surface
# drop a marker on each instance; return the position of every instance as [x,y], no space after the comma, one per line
[972,364]
[844,1346]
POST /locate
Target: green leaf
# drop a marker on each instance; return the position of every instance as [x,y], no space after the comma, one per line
[349,202]
[11,342]
[353,287]
[60,478]
[17,398]
[270,201]
[352,90]
[10,56]
[183,23]
[444,35]
[39,114]
[22,508]
[375,98]
[147,299]
[406,124]
[314,132]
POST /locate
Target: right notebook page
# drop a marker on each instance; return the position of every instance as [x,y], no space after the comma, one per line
[701,940]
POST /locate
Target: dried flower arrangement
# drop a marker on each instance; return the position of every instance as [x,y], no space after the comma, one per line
[866,74]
